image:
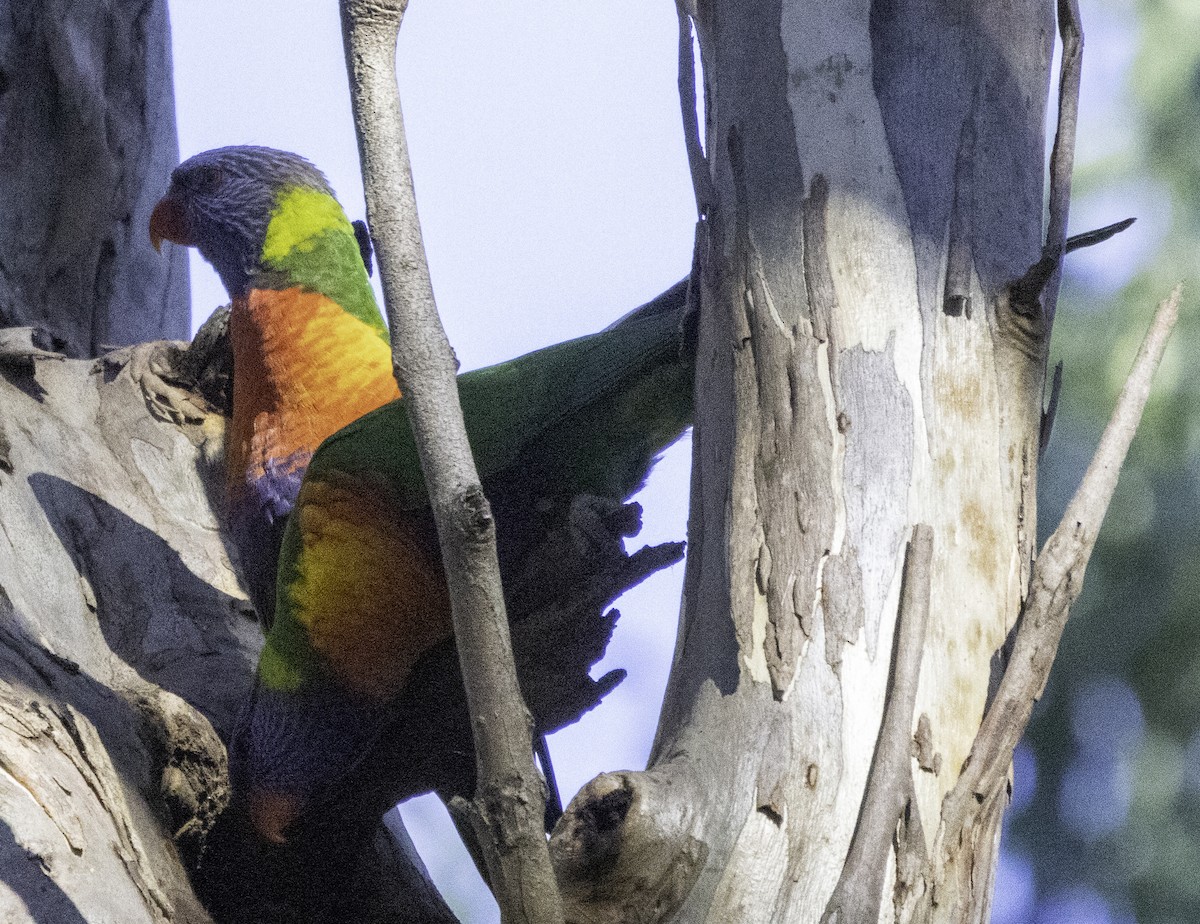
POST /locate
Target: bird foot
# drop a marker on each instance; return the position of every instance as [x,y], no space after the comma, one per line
[153,366]
[598,524]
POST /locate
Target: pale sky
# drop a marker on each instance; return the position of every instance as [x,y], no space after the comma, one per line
[554,196]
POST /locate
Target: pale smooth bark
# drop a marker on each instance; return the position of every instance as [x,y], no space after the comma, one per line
[875,298]
[125,643]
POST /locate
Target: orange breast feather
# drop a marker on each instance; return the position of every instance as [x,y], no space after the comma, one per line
[304,368]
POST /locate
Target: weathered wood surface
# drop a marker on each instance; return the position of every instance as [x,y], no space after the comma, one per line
[874,188]
[125,641]
[87,114]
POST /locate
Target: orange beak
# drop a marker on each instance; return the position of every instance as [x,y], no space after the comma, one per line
[168,223]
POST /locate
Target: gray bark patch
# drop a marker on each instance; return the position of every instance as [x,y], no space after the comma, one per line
[880,413]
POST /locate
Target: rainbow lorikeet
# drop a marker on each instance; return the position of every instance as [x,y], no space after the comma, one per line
[360,596]
[310,347]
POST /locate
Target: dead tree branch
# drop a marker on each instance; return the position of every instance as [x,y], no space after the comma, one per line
[1062,158]
[1098,236]
[697,163]
[1051,411]
[510,798]
[859,891]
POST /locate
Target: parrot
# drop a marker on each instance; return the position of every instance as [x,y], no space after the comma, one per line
[361,593]
[326,501]
[310,347]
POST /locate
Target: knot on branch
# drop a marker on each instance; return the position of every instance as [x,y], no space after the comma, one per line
[194,776]
[471,515]
[619,843]
[1020,317]
[589,834]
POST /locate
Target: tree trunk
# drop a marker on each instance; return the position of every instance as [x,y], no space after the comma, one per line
[87,112]
[876,176]
[126,643]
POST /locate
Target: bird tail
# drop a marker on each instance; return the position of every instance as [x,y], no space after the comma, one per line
[672,301]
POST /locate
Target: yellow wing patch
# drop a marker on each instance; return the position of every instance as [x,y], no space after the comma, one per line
[369,592]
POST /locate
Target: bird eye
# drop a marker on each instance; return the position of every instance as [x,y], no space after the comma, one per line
[206,179]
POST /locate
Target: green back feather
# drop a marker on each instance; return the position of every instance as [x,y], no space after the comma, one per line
[599,404]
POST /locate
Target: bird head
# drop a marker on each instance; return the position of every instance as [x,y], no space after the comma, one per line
[222,202]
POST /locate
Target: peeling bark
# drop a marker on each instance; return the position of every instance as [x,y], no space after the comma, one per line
[876,193]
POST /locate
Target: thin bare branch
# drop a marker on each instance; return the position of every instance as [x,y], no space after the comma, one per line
[956,299]
[1048,415]
[697,163]
[510,799]
[1098,236]
[1055,584]
[1062,158]
[859,891]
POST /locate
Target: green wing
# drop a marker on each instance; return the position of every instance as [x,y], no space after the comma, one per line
[599,408]
[585,416]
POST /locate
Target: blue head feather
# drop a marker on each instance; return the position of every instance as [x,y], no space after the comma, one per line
[228,195]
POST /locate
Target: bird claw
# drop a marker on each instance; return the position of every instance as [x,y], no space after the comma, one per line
[598,524]
[152,367]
